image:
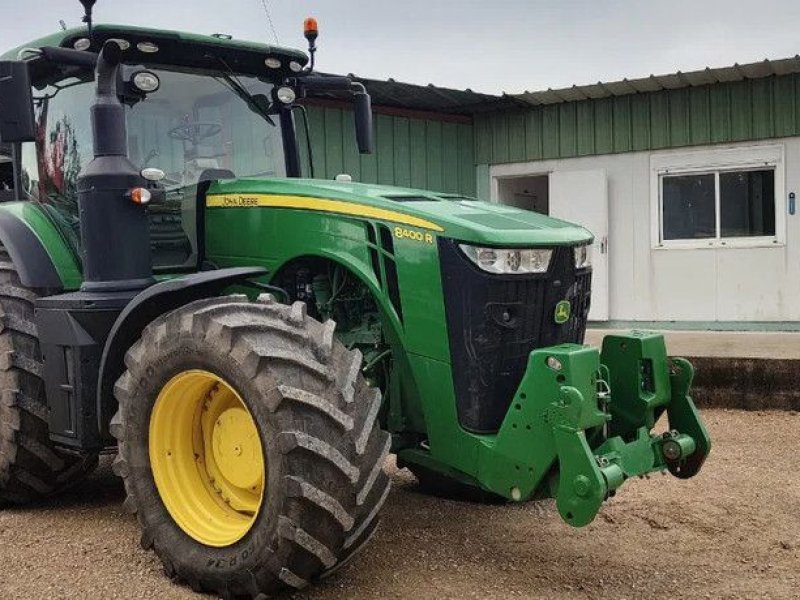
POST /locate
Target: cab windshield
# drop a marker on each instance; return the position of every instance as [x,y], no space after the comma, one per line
[196,122]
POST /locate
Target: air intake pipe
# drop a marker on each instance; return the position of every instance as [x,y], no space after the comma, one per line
[115,238]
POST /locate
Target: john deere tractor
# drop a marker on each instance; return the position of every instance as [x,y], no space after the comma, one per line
[252,344]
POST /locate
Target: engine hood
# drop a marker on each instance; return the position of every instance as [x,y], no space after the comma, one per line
[454,216]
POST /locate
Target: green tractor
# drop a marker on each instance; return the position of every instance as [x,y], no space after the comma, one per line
[253,344]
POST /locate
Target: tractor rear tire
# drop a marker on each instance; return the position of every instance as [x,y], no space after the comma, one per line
[31,466]
[320,449]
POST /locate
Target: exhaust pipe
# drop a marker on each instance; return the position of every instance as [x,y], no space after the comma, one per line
[115,237]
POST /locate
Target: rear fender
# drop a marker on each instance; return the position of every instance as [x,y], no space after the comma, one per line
[42,257]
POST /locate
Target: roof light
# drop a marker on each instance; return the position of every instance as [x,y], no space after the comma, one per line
[153,174]
[82,44]
[147,47]
[295,66]
[123,44]
[272,62]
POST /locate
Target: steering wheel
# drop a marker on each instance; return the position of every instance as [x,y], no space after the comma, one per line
[194,132]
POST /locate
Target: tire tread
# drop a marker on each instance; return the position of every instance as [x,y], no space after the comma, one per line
[327,432]
[31,466]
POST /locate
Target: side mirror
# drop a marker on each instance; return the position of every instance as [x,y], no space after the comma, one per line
[17,123]
[363,117]
[363,103]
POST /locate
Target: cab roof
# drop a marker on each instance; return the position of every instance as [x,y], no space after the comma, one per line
[177,47]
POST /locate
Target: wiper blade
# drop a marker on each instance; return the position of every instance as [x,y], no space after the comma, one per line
[242,92]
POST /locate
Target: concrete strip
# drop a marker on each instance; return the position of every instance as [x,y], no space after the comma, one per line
[722,344]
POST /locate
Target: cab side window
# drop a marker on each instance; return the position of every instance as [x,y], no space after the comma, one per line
[62,148]
[6,173]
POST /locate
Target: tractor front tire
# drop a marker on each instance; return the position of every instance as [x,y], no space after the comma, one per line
[31,467]
[249,445]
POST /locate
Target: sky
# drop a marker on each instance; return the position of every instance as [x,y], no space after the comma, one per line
[488,46]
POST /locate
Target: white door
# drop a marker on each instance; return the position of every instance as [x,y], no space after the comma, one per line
[582,197]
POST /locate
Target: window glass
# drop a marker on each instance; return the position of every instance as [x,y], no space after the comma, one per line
[747,203]
[29,178]
[718,205]
[195,121]
[63,147]
[688,206]
[6,172]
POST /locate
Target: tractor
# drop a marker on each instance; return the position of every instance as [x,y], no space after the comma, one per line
[251,345]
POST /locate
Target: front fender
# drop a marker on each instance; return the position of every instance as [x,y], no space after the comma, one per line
[143,309]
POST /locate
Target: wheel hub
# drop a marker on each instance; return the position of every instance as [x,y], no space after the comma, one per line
[236,448]
[207,458]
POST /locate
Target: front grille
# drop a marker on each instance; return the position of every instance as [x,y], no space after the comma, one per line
[494,321]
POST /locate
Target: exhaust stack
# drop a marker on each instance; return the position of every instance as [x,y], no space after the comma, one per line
[115,237]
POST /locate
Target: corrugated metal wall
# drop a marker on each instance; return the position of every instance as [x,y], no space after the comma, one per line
[428,154]
[724,112]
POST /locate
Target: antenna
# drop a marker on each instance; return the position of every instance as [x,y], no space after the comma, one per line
[269,20]
[62,24]
[87,16]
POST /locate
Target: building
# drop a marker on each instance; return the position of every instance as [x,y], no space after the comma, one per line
[687,180]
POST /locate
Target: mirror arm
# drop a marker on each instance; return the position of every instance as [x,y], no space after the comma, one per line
[68,56]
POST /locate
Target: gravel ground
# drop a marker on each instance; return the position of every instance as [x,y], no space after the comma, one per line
[733,532]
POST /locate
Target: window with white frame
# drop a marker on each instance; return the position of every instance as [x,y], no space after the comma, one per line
[733,201]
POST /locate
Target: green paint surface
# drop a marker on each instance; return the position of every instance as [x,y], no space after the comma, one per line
[57,248]
[553,440]
[557,416]
[461,218]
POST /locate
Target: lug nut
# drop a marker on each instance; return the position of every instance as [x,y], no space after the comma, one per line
[671,450]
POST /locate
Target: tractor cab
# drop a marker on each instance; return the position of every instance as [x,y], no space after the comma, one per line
[197,108]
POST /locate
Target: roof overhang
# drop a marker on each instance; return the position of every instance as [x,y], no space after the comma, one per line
[657,83]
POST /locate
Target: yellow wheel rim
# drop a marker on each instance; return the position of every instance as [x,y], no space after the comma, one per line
[206,457]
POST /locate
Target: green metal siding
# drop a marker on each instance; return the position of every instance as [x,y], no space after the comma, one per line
[428,154]
[724,112]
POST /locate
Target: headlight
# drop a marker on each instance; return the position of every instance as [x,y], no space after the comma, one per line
[583,256]
[508,260]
